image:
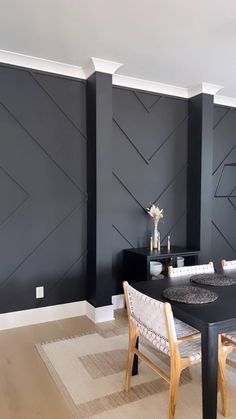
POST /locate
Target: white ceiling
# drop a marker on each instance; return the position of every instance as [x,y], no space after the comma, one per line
[182,42]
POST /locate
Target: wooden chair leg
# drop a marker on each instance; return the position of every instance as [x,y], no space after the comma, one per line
[223,383]
[174,387]
[132,342]
[218,382]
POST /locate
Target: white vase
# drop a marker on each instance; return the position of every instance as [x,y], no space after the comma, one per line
[155,236]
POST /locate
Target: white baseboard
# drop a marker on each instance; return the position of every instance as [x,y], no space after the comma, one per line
[61,311]
[42,314]
[118,301]
[100,314]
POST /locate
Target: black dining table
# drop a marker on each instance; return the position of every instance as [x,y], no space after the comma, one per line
[210,319]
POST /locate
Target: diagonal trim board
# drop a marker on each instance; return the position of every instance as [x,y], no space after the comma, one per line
[166,108]
[61,311]
[17,194]
[44,198]
[42,86]
[223,236]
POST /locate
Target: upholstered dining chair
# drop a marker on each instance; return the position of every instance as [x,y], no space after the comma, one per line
[154,320]
[227,267]
[190,270]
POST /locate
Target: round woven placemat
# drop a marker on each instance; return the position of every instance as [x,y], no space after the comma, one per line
[189,295]
[216,280]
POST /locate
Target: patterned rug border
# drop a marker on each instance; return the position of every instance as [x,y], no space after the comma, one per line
[57,380]
[46,342]
[53,373]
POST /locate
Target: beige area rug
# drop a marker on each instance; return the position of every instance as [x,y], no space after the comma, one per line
[89,371]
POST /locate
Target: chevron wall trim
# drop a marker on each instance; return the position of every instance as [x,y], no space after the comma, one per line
[149,152]
[224,181]
[42,189]
[43,183]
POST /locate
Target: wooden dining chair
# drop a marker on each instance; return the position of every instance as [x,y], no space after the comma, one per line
[230,337]
[190,270]
[228,265]
[154,320]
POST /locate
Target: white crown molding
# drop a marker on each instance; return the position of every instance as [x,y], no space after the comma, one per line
[110,67]
[225,101]
[36,63]
[208,88]
[8,57]
[167,89]
[149,86]
[100,65]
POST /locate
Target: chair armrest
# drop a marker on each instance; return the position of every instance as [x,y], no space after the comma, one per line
[189,338]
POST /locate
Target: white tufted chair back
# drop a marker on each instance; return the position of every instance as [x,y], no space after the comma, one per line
[228,265]
[190,270]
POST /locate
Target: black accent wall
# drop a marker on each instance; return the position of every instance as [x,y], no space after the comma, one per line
[61,138]
[42,188]
[149,165]
[224,184]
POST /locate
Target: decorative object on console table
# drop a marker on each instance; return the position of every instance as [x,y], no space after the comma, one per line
[159,242]
[169,263]
[155,268]
[155,236]
[156,215]
[151,244]
[180,261]
[168,243]
[136,265]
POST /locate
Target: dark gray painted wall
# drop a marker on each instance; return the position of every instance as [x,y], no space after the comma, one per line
[42,188]
[149,159]
[224,184]
[43,182]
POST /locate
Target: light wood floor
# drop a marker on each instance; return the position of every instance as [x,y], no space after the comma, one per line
[27,390]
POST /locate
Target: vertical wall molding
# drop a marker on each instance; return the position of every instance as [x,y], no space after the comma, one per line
[199,178]
[99,178]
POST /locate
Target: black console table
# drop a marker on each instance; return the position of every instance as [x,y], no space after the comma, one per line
[137,261]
